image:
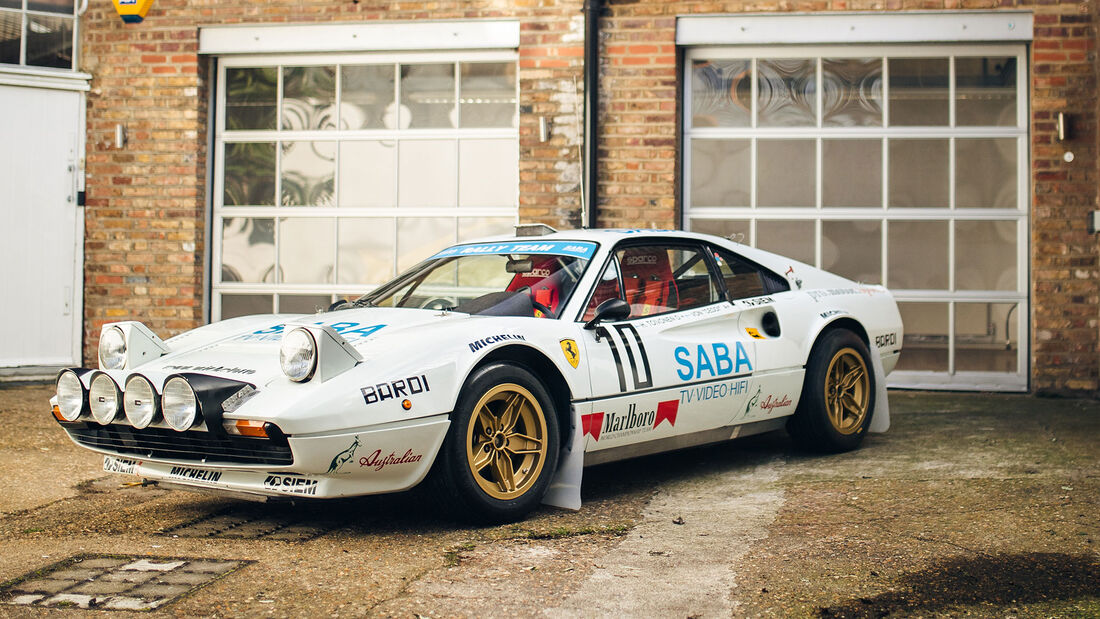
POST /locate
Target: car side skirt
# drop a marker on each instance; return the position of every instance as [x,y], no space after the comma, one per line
[683,441]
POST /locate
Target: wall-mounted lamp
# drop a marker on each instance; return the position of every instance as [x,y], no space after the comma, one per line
[120,136]
[545,126]
[1063,127]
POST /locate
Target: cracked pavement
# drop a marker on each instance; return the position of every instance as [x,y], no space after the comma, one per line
[971,505]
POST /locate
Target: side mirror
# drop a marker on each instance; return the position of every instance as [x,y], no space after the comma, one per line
[611,309]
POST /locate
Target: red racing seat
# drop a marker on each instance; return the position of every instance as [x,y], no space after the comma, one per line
[647,281]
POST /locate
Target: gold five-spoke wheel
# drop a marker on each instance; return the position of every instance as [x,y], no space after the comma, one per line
[506,441]
[847,391]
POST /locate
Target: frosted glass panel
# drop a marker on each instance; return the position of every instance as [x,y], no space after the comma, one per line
[794,239]
[303,303]
[721,93]
[488,172]
[785,172]
[919,92]
[851,173]
[306,250]
[234,305]
[367,93]
[368,173]
[852,92]
[427,96]
[985,91]
[488,94]
[720,172]
[786,92]
[919,173]
[853,249]
[250,98]
[925,343]
[985,173]
[366,250]
[309,169]
[309,95]
[917,255]
[734,229]
[985,337]
[249,174]
[470,228]
[420,237]
[985,255]
[248,250]
[428,173]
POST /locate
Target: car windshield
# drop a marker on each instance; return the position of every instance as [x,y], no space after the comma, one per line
[499,279]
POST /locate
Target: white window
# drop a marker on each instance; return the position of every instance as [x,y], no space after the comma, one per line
[38,33]
[335,172]
[902,165]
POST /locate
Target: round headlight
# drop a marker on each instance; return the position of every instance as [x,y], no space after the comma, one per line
[112,349]
[140,401]
[179,403]
[70,395]
[298,355]
[104,398]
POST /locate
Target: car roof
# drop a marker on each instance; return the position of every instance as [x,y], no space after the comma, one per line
[608,236]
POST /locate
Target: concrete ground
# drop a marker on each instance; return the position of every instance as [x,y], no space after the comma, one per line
[972,505]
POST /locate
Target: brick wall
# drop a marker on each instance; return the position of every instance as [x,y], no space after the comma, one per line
[146,202]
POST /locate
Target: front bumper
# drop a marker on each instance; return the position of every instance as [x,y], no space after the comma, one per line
[374,461]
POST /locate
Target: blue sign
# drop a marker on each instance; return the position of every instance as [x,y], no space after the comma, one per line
[579,249]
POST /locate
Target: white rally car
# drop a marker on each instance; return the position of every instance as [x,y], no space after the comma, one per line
[497,370]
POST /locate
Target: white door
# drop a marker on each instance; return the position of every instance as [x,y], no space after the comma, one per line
[41,227]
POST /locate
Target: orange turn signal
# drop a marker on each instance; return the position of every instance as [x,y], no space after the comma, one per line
[405,404]
[246,427]
[57,413]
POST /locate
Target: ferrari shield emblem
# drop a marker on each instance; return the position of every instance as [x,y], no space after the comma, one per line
[572,353]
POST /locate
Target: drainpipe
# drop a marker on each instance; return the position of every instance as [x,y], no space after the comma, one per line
[591,104]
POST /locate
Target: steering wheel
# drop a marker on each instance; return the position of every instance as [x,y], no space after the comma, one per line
[545,309]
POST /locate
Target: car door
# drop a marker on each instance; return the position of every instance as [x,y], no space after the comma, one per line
[677,362]
[768,315]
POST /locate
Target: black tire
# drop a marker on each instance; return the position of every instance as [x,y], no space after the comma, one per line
[838,395]
[478,474]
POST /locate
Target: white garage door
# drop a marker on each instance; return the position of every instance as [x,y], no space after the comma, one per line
[334,173]
[900,165]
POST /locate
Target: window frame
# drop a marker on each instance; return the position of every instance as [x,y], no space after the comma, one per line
[671,243]
[24,14]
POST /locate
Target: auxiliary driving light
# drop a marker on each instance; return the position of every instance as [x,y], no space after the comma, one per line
[181,407]
[104,398]
[71,396]
[140,401]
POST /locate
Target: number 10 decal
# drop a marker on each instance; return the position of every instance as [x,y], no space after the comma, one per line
[639,383]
